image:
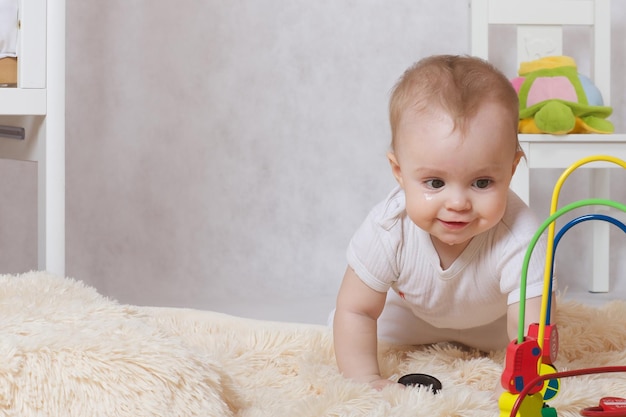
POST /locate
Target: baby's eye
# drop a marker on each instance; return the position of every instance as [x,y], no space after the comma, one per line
[482,183]
[435,183]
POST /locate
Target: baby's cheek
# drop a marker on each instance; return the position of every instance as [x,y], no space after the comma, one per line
[428,197]
[494,212]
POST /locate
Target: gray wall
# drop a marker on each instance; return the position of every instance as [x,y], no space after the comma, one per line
[221,153]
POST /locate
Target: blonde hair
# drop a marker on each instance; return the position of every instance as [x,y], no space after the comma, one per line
[458,85]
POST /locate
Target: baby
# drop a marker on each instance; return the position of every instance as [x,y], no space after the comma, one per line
[440,259]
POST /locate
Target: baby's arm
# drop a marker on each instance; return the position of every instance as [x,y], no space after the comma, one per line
[532,315]
[354,329]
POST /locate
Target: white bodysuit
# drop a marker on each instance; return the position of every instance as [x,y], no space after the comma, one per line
[467,302]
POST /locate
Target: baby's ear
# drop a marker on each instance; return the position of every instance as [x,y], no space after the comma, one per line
[518,157]
[395,168]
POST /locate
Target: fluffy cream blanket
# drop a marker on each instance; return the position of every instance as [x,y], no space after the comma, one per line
[68,351]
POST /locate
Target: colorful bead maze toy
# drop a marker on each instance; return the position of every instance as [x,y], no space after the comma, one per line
[529,359]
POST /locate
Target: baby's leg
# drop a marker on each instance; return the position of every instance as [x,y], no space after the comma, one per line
[397,324]
[492,336]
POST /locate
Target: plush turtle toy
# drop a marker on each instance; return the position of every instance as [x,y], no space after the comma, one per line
[554,98]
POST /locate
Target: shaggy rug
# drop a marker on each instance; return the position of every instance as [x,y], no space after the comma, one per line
[68,351]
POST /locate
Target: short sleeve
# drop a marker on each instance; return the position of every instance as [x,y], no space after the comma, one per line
[522,227]
[534,285]
[373,250]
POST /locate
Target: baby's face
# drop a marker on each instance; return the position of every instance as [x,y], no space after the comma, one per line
[456,183]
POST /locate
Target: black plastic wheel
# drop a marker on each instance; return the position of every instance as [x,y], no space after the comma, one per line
[423,380]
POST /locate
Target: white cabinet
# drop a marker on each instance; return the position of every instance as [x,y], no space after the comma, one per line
[38,105]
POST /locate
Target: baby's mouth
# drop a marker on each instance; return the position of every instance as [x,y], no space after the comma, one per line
[453,225]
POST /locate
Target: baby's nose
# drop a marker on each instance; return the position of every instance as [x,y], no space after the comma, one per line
[458,200]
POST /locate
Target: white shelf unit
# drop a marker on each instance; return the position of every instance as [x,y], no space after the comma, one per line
[541,34]
[38,105]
